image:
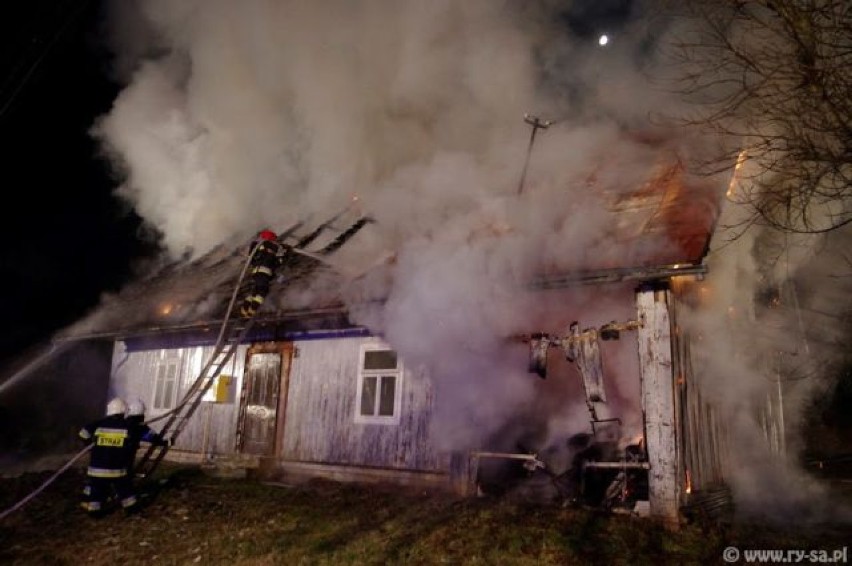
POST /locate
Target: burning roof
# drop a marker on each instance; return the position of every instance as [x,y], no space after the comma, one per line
[197,294]
[650,229]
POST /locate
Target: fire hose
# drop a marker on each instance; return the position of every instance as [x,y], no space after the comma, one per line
[85,450]
[219,339]
[173,411]
[49,481]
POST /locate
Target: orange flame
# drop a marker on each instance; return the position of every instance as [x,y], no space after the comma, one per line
[734,178]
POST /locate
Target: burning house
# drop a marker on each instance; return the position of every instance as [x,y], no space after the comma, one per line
[308,389]
[514,338]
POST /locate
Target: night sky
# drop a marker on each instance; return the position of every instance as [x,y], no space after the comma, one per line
[65,238]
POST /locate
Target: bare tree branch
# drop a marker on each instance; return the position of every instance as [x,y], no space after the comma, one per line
[774,78]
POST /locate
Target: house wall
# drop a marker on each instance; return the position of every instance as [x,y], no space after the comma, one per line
[701,429]
[318,425]
[320,422]
[212,429]
[318,429]
[686,438]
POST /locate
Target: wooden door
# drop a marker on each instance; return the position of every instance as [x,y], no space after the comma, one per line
[266,369]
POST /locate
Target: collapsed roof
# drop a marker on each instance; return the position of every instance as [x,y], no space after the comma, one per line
[659,227]
[197,294]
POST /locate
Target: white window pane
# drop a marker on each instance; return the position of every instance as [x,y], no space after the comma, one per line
[158,388]
[387,396]
[379,359]
[171,385]
[165,387]
[158,395]
[368,397]
[168,396]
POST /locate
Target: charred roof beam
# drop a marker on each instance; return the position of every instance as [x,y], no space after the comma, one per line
[619,275]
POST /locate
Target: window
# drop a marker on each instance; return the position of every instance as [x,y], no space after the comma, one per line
[379,385]
[166,383]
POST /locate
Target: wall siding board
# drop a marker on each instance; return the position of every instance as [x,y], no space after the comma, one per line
[320,418]
[702,432]
[212,428]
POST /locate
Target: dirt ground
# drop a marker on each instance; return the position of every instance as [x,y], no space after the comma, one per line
[197,519]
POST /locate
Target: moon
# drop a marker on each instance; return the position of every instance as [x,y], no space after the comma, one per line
[603,40]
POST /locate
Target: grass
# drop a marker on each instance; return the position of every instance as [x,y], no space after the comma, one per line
[197,519]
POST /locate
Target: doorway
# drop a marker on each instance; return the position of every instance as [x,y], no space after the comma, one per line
[262,404]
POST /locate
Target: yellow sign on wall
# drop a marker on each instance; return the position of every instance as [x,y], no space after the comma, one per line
[222,388]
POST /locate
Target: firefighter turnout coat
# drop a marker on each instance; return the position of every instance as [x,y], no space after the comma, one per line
[109,463]
[112,446]
[266,259]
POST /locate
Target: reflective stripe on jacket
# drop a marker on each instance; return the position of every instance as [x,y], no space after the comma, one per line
[106,472]
[112,451]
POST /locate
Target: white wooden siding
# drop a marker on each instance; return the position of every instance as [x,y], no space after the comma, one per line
[319,424]
[320,417]
[703,438]
[212,429]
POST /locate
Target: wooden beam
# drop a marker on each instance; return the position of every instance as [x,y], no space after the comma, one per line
[657,384]
[598,277]
[617,465]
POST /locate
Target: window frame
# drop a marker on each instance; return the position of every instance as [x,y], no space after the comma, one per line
[397,373]
[163,363]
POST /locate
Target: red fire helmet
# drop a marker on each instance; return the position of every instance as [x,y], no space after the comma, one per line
[267,235]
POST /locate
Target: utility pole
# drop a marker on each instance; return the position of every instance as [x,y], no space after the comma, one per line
[537,124]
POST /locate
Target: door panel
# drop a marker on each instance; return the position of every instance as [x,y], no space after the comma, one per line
[262,378]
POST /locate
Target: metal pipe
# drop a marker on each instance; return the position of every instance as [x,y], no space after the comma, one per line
[504,455]
[618,465]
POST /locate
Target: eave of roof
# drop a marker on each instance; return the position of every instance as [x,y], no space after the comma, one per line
[293,321]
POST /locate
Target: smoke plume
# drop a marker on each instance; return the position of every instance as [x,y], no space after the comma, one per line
[242,115]
[771,326]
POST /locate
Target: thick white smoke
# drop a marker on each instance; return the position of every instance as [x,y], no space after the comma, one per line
[771,330]
[242,115]
[238,116]
[774,311]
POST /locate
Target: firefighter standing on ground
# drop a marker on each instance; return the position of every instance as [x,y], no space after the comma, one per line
[140,432]
[266,259]
[109,460]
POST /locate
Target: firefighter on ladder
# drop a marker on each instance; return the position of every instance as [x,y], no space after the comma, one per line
[109,460]
[266,258]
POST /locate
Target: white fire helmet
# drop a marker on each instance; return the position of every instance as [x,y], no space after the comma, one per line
[136,408]
[116,407]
